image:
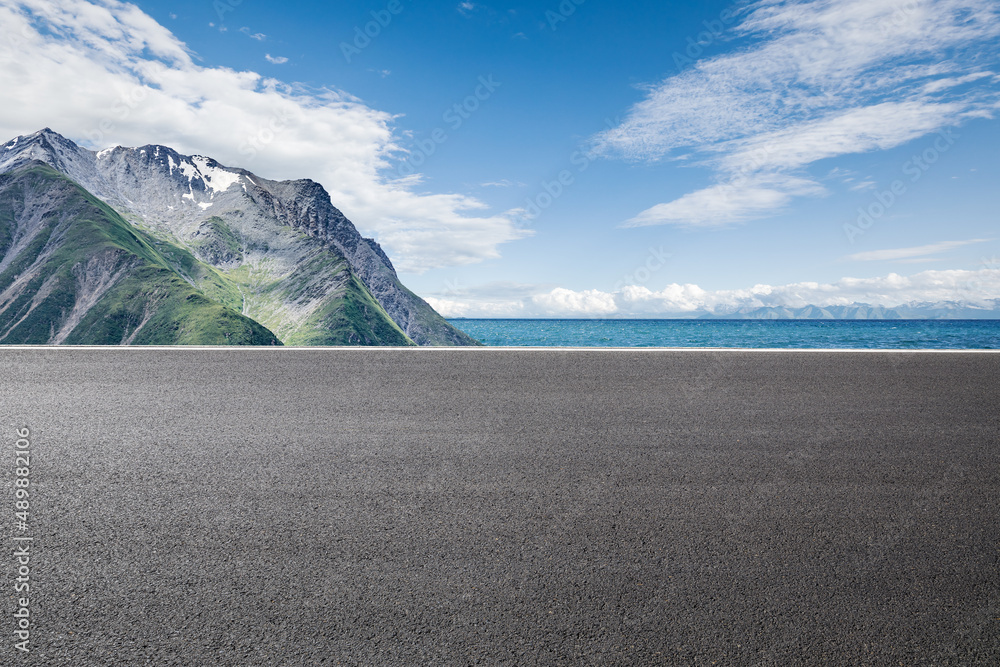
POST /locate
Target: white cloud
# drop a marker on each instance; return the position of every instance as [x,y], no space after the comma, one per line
[825,78]
[942,84]
[105,73]
[977,288]
[859,130]
[275,60]
[727,203]
[564,302]
[503,183]
[464,8]
[259,36]
[903,254]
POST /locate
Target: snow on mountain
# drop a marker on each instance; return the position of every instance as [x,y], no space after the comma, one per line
[283,242]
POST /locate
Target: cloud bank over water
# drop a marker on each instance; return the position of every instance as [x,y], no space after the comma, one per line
[978,288]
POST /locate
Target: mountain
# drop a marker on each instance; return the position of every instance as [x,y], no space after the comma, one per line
[277,252]
[857,311]
[948,310]
[954,310]
[73,271]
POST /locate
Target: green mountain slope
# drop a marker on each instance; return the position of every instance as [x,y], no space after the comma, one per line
[318,301]
[72,271]
[277,252]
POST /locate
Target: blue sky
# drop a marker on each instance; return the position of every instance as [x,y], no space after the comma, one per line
[572,158]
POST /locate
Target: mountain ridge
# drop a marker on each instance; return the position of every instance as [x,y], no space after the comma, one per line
[288,251]
[72,271]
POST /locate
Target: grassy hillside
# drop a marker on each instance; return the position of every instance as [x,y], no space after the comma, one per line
[73,271]
[320,302]
[354,318]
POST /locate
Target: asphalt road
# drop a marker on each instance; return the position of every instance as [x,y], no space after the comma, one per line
[502,507]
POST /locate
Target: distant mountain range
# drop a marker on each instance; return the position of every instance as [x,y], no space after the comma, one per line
[148,246]
[944,310]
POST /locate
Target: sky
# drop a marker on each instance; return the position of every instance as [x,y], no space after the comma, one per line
[571,158]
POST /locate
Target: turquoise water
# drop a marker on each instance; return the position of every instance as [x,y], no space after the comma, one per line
[847,334]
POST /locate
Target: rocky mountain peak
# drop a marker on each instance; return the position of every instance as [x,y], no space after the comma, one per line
[235,218]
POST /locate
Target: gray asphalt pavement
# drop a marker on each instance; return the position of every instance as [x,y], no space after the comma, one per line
[503,507]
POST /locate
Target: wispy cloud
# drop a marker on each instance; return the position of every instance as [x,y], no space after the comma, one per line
[259,36]
[275,60]
[505,183]
[903,254]
[727,203]
[976,288]
[107,73]
[465,8]
[821,79]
